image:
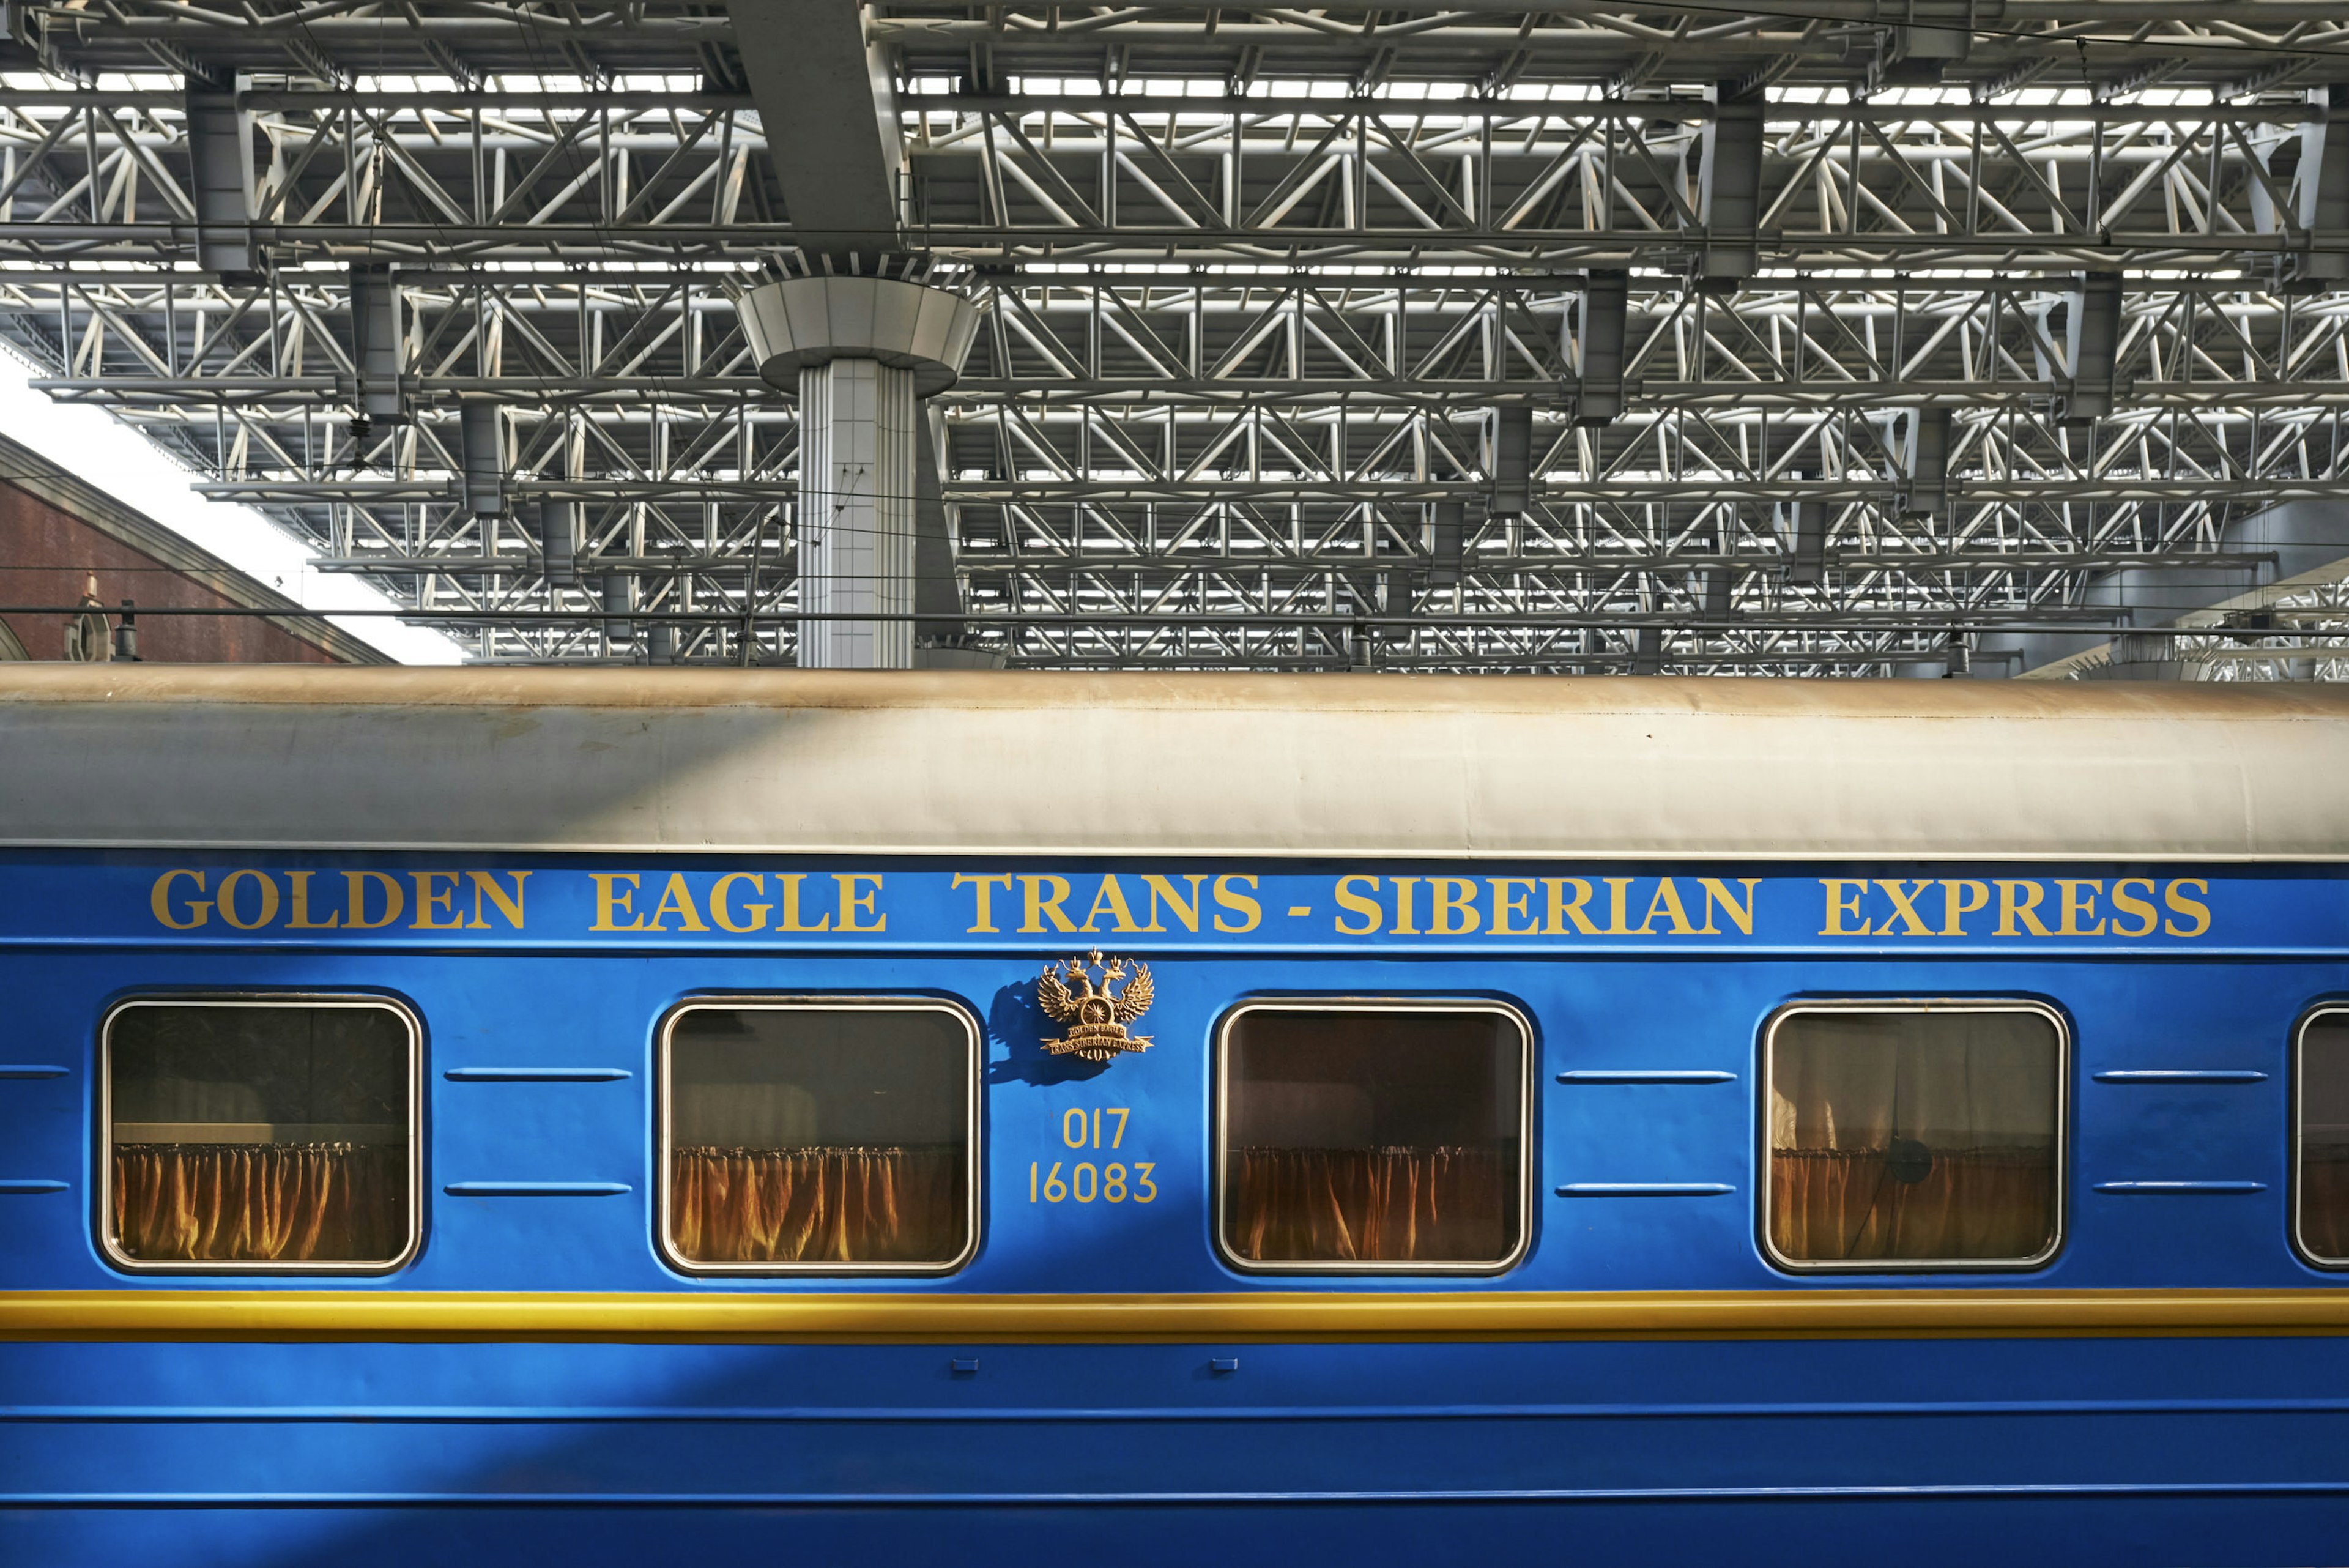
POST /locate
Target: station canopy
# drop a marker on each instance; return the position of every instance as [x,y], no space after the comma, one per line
[1989,337]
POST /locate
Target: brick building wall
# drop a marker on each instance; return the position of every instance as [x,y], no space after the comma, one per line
[56,530]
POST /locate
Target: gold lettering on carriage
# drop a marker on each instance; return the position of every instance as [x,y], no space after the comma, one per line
[1196,903]
[247,898]
[740,901]
[1543,906]
[2126,907]
[1199,902]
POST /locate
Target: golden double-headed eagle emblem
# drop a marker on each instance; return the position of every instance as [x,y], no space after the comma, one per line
[1096,1015]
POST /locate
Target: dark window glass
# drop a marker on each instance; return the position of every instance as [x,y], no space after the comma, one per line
[260,1134]
[2324,1137]
[820,1137]
[1366,1138]
[1914,1135]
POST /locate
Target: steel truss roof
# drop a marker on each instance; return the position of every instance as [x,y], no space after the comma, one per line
[1265,286]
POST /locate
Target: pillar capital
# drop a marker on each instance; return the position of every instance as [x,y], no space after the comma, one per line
[793,323]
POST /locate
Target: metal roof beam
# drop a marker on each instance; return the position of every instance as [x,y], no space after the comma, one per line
[375,342]
[2320,189]
[2092,339]
[1602,316]
[220,147]
[827,102]
[1729,202]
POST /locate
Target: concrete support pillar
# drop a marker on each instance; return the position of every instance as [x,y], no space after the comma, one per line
[856,514]
[860,352]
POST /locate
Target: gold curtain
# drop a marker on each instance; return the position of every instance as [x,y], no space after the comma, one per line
[818,1205]
[1842,1205]
[2324,1199]
[1372,1205]
[249,1202]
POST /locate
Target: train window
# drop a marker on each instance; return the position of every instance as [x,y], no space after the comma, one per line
[1922,1136]
[252,1134]
[820,1136]
[1372,1137]
[2321,1201]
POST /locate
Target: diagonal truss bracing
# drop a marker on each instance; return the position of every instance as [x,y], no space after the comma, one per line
[1259,282]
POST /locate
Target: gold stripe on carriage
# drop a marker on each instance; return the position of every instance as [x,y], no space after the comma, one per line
[1261,1317]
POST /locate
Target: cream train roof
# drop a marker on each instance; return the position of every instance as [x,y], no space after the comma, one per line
[967,762]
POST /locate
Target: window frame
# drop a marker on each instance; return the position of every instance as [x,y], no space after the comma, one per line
[2295,1100]
[974,1152]
[102,1219]
[2063,1159]
[1529,1154]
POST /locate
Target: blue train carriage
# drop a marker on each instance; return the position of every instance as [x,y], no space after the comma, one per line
[460,1116]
